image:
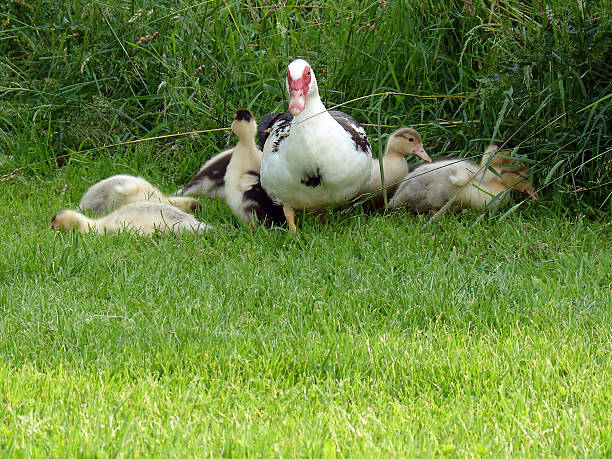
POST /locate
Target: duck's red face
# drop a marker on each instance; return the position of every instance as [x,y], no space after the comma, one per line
[298,89]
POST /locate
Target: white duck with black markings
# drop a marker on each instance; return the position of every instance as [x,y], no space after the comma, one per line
[312,158]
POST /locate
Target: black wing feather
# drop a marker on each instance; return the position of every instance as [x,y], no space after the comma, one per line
[266,123]
[352,126]
[282,121]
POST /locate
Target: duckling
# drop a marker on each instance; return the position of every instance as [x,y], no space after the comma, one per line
[243,191]
[141,217]
[119,190]
[209,181]
[402,142]
[431,186]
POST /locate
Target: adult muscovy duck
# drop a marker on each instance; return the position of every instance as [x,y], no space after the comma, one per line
[312,158]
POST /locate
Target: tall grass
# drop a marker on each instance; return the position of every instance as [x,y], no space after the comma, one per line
[80,74]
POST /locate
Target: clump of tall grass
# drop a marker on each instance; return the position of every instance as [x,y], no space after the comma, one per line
[79,74]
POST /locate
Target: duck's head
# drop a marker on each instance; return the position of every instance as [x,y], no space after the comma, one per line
[244,124]
[407,142]
[301,85]
[65,220]
[513,174]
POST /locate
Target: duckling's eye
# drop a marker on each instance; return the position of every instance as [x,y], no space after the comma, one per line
[410,139]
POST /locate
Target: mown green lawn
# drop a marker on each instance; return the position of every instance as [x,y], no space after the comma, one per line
[367,335]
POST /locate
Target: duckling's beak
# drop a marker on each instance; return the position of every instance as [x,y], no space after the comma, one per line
[421,153]
[196,205]
[532,193]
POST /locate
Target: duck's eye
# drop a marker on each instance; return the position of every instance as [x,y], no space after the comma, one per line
[308,73]
[410,139]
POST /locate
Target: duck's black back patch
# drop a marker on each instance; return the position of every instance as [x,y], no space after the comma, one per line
[215,172]
[352,126]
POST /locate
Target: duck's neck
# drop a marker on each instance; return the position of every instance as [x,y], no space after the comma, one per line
[486,176]
[313,110]
[247,155]
[493,188]
[84,223]
[394,165]
[488,181]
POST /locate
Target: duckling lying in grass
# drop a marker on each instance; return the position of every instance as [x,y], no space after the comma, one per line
[428,187]
[401,143]
[243,191]
[142,217]
[120,190]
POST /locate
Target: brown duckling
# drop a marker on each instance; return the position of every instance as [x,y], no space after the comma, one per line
[428,187]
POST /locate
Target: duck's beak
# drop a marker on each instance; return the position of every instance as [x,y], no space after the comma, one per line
[421,153]
[297,101]
[297,95]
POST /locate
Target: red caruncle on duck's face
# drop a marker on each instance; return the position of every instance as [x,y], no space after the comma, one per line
[299,83]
